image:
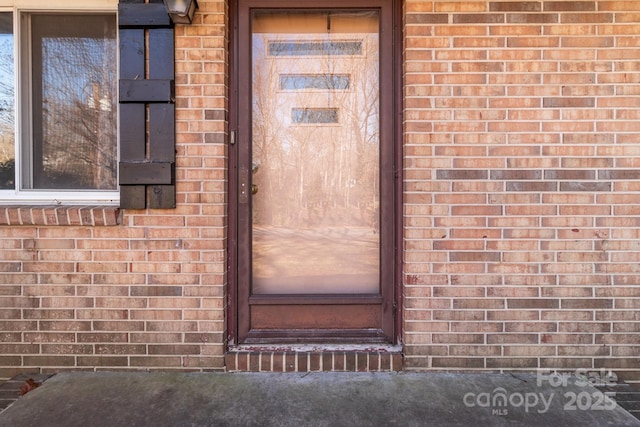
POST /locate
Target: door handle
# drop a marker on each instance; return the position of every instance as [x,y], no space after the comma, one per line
[254,169]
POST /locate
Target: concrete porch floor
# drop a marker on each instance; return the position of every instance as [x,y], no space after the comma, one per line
[316,399]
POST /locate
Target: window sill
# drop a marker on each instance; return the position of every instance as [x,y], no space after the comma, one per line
[61,215]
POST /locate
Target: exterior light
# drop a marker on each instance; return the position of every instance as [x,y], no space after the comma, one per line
[181,11]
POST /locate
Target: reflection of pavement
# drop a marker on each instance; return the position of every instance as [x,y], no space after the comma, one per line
[317,260]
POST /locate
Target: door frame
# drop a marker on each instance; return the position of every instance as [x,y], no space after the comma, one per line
[393,324]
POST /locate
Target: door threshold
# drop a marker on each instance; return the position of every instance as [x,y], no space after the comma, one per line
[385,348]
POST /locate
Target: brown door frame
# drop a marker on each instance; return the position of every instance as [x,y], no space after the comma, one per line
[391,189]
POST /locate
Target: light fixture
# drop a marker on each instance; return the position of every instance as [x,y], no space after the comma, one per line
[181,11]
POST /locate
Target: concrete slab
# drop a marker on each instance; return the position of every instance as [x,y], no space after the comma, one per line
[314,399]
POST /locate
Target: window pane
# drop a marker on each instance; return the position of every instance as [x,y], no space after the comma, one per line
[74,102]
[314,115]
[7,113]
[322,82]
[315,48]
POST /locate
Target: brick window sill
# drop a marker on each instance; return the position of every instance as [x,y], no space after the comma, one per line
[60,215]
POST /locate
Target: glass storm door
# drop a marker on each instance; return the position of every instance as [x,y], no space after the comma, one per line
[314,262]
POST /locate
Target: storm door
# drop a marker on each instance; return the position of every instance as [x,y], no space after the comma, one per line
[314,186]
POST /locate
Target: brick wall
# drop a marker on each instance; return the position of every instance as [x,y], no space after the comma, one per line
[522,147]
[521,208]
[99,288]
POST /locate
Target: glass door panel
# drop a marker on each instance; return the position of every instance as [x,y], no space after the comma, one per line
[315,152]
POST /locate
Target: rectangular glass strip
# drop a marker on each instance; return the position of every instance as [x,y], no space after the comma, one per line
[315,48]
[314,81]
[314,115]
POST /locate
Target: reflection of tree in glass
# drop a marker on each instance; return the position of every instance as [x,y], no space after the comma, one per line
[269,146]
[316,173]
[75,142]
[7,120]
[315,115]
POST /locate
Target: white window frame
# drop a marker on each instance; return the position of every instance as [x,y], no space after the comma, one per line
[19,196]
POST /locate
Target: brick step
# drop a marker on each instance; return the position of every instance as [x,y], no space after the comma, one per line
[310,361]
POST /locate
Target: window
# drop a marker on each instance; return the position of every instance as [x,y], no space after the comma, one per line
[315,48]
[58,107]
[314,81]
[314,115]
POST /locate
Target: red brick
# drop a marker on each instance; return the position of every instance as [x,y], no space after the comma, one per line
[111,361]
[569,6]
[581,18]
[458,338]
[567,338]
[529,350]
[49,361]
[512,338]
[519,315]
[511,362]
[457,362]
[619,5]
[532,18]
[510,6]
[565,363]
[158,362]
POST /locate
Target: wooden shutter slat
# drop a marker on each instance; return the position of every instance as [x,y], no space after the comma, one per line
[147,90]
[161,54]
[131,53]
[162,131]
[132,132]
[146,173]
[161,196]
[133,197]
[161,116]
[143,15]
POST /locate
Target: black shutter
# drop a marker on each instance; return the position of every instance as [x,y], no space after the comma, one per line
[147,106]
